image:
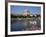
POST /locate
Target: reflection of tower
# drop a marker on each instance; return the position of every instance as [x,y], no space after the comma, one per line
[26,12]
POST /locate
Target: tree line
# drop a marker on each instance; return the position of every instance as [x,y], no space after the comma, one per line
[14,16]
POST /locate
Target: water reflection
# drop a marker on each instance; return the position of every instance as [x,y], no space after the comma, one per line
[26,24]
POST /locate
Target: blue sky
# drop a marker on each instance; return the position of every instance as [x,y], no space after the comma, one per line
[19,9]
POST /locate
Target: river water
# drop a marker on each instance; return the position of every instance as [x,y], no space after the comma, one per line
[25,25]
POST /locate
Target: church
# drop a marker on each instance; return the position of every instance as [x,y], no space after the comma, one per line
[27,13]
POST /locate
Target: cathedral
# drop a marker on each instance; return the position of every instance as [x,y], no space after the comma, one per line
[27,13]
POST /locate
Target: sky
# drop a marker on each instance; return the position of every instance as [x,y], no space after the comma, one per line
[19,9]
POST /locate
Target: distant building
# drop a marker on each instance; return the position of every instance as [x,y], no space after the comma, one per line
[27,13]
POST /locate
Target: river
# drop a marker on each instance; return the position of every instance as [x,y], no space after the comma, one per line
[25,25]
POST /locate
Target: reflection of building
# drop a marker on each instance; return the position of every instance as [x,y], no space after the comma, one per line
[27,13]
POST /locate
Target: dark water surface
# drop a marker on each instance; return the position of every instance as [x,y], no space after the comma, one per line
[22,25]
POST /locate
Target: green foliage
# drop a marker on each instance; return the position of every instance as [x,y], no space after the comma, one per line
[14,16]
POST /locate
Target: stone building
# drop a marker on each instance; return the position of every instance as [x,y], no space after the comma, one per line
[27,13]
